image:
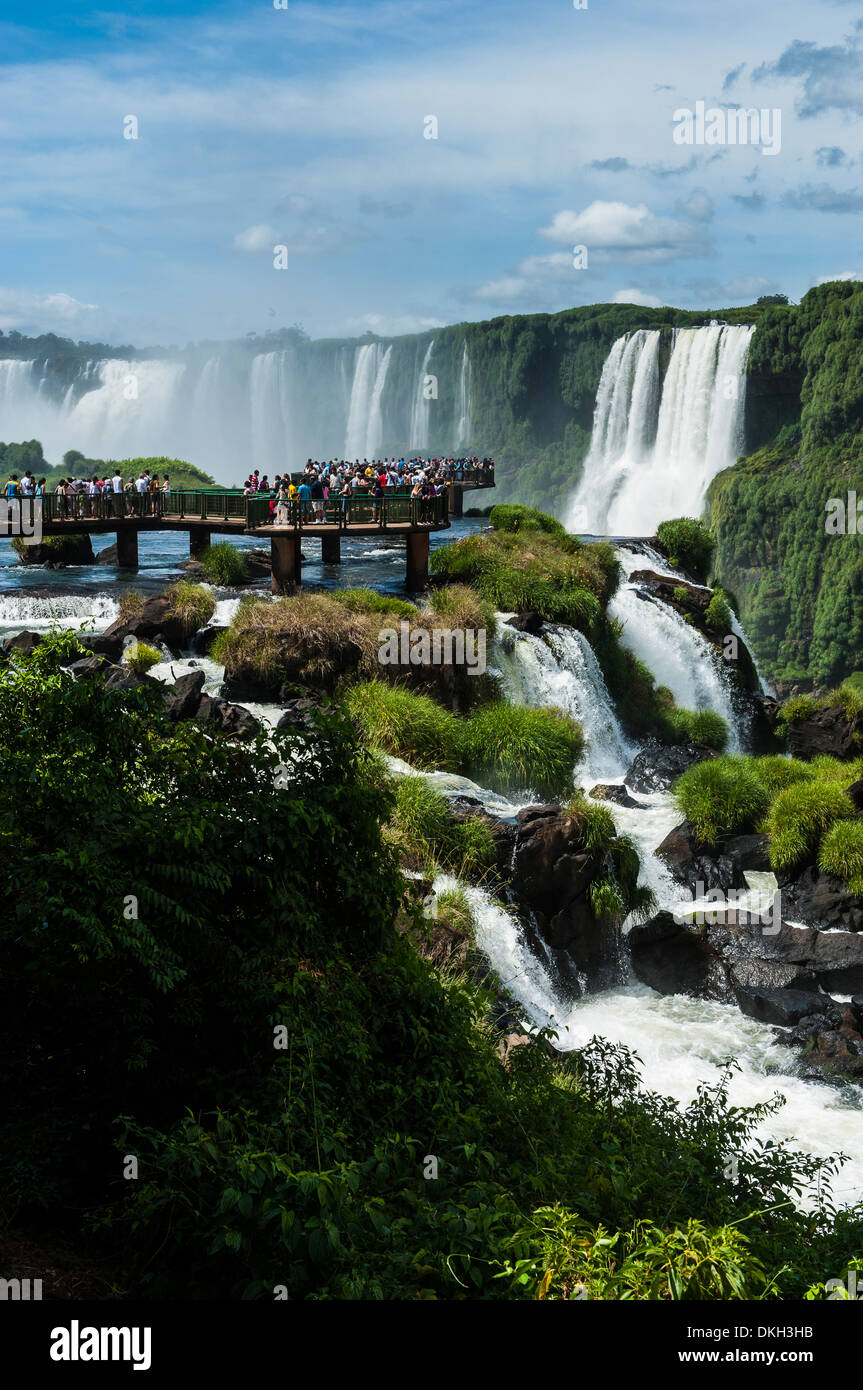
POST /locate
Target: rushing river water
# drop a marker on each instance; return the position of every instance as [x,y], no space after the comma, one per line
[682,1042]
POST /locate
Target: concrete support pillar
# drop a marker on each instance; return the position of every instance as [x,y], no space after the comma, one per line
[199,540]
[127,548]
[456,500]
[285,553]
[331,549]
[417,572]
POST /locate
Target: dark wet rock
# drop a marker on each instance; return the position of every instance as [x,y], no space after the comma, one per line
[827,731]
[298,713]
[204,638]
[770,974]
[784,1007]
[23,642]
[610,791]
[124,678]
[154,621]
[831,1041]
[820,900]
[551,878]
[526,622]
[228,718]
[184,696]
[715,866]
[108,556]
[86,667]
[855,794]
[102,645]
[675,959]
[658,765]
[73,549]
[663,587]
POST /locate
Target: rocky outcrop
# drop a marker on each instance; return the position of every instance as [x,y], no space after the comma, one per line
[827,731]
[185,699]
[610,791]
[155,619]
[73,549]
[658,765]
[551,877]
[820,900]
[715,866]
[25,643]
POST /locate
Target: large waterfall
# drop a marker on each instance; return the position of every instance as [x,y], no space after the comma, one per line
[657,442]
[236,408]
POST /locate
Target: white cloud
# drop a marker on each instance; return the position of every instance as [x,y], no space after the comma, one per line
[623,232]
[260,237]
[648,301]
[843,275]
[23,309]
[389,325]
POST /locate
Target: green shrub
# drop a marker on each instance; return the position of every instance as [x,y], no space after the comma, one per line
[512,748]
[426,836]
[703,727]
[688,545]
[141,657]
[841,853]
[224,564]
[797,707]
[681,595]
[721,796]
[775,773]
[409,726]
[799,817]
[717,613]
[514,517]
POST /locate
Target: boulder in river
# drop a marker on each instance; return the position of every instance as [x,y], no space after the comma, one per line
[827,731]
[722,865]
[658,765]
[610,791]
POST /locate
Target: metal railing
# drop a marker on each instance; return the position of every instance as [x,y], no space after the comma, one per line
[393,508]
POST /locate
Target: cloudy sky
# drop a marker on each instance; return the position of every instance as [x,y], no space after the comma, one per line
[305,127]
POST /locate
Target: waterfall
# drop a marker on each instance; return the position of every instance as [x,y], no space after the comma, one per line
[20,611]
[365,422]
[464,403]
[676,654]
[560,668]
[655,448]
[422,407]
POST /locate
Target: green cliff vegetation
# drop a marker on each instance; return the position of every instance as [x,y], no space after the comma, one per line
[799,587]
[207,972]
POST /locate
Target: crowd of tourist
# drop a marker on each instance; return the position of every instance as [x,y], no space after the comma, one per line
[81,497]
[320,482]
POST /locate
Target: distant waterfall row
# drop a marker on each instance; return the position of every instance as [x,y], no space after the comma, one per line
[233,411]
[658,441]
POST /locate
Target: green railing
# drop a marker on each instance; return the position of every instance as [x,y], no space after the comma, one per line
[393,508]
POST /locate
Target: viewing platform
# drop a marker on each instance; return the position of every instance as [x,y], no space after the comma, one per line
[206,512]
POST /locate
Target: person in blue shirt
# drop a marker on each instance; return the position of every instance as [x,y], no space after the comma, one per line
[304,494]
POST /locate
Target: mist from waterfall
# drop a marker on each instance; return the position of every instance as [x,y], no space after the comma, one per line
[657,442]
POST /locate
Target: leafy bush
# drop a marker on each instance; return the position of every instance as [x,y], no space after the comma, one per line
[841,853]
[799,817]
[224,564]
[141,657]
[512,748]
[721,796]
[717,613]
[688,545]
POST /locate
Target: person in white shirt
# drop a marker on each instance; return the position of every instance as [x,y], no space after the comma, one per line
[117,490]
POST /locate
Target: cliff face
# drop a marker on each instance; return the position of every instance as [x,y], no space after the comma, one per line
[799,586]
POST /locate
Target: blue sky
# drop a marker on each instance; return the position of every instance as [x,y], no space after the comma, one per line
[304,127]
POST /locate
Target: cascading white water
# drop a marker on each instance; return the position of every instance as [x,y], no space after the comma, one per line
[654,449]
[462,424]
[422,406]
[677,655]
[365,426]
[561,669]
[19,611]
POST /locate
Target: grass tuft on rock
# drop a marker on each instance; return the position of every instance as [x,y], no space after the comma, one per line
[224,564]
[192,605]
[798,818]
[721,796]
[141,657]
[513,748]
[427,837]
[841,853]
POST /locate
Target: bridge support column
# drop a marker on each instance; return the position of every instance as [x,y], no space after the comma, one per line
[331,549]
[285,554]
[417,572]
[456,500]
[199,540]
[127,548]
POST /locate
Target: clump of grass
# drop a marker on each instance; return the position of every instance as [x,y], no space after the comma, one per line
[593,823]
[841,853]
[362,600]
[703,727]
[224,564]
[827,769]
[513,748]
[462,607]
[453,909]
[688,545]
[129,604]
[775,773]
[304,639]
[797,707]
[848,698]
[799,817]
[408,725]
[427,837]
[721,796]
[512,516]
[192,605]
[141,657]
